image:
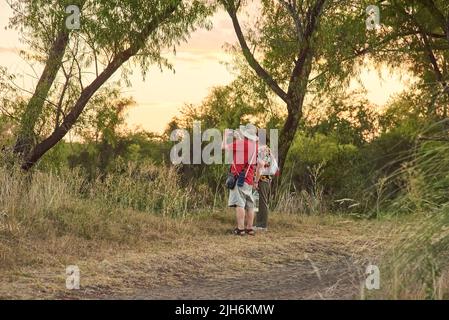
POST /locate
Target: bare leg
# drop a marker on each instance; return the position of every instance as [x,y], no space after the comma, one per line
[249,218]
[240,213]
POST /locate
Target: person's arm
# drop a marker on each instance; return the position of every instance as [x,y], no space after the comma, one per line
[257,178]
[259,166]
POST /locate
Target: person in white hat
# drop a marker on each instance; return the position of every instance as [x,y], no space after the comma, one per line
[244,152]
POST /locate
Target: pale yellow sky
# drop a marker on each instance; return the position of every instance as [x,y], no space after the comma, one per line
[198,67]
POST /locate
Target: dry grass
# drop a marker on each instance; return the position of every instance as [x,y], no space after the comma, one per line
[416,260]
[126,233]
[173,251]
[119,210]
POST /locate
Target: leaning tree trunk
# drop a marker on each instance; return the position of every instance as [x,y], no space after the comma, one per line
[35,105]
[40,149]
[33,110]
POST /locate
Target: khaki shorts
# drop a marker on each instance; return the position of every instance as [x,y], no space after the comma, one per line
[241,197]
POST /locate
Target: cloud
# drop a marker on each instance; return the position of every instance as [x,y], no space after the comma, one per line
[199,56]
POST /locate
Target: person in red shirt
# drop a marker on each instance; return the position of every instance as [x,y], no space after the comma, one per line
[244,162]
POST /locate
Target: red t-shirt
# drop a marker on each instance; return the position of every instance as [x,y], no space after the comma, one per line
[244,157]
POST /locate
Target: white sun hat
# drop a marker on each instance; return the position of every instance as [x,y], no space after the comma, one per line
[249,131]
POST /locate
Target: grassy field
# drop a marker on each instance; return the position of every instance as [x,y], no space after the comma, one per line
[126,248]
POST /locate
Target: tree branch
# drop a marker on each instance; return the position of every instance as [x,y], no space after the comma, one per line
[254,64]
[312,18]
[291,9]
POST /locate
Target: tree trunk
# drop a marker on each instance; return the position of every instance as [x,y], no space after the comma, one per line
[296,93]
[286,137]
[74,114]
[294,97]
[33,110]
[59,133]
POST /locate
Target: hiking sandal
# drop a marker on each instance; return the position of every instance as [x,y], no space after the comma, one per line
[250,232]
[239,232]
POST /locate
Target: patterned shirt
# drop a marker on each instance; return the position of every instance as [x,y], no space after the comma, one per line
[268,163]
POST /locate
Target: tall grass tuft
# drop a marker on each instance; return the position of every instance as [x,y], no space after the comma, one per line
[150,188]
[418,265]
[120,207]
[287,199]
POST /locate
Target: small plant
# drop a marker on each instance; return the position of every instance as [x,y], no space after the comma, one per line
[290,200]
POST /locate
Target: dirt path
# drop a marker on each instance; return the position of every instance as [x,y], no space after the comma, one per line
[295,281]
[304,259]
[294,269]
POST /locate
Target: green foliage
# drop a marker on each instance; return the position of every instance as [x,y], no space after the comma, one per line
[422,254]
[112,33]
[11,105]
[338,170]
[350,119]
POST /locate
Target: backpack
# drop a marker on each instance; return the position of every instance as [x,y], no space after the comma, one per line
[239,179]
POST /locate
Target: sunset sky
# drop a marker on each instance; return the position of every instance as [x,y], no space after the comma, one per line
[198,65]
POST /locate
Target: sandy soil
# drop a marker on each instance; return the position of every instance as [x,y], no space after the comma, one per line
[338,280]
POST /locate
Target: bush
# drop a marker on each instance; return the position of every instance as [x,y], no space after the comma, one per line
[319,167]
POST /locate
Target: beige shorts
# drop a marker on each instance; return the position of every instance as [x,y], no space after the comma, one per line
[241,197]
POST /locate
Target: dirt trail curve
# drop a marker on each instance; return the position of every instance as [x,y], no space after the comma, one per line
[325,266]
[295,260]
[296,281]
[305,262]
